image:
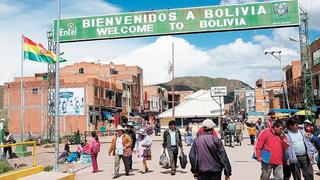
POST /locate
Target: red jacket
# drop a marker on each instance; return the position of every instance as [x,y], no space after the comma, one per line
[272,143]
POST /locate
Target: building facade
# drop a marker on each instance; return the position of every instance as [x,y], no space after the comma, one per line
[315,69]
[294,84]
[268,95]
[155,99]
[89,93]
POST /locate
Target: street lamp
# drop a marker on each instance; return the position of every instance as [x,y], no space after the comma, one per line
[278,57]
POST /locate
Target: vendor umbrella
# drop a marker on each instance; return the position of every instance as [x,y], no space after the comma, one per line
[303,113]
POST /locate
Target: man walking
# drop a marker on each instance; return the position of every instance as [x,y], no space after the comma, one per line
[259,126]
[300,152]
[132,134]
[208,157]
[270,146]
[172,141]
[121,148]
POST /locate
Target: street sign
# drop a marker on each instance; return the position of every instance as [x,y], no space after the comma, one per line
[180,21]
[218,91]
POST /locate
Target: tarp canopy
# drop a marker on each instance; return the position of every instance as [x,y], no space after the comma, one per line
[303,113]
[198,104]
[107,115]
[284,110]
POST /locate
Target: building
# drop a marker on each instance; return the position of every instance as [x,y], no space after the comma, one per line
[268,95]
[244,101]
[90,93]
[155,99]
[294,84]
[179,96]
[315,69]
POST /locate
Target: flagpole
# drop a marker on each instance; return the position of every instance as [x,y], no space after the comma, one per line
[57,130]
[22,94]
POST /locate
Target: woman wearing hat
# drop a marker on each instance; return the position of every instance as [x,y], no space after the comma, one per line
[143,148]
[121,148]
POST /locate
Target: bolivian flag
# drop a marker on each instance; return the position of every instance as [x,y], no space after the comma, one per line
[36,52]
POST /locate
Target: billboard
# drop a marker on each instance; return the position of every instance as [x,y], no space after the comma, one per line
[71,101]
[180,21]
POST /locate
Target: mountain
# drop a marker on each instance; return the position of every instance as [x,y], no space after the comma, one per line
[195,83]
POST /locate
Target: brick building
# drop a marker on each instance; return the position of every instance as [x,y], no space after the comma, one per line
[89,93]
[315,68]
[179,96]
[155,99]
[294,84]
[268,95]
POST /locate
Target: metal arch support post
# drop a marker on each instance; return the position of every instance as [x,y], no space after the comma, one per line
[51,88]
[306,63]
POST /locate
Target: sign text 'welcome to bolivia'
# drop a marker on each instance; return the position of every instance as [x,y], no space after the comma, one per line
[179,21]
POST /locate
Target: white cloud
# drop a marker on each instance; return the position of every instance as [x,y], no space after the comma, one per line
[33,18]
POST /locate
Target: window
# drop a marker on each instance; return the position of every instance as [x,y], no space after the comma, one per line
[96,92]
[35,91]
[316,57]
[81,71]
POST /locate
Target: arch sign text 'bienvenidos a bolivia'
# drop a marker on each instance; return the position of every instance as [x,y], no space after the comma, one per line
[179,21]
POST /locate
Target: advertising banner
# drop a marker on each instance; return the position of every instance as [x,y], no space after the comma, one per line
[71,101]
[180,21]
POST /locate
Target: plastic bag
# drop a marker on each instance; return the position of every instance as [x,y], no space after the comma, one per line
[164,161]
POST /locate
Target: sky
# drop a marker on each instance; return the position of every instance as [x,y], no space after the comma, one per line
[234,55]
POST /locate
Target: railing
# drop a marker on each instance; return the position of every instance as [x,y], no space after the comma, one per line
[24,143]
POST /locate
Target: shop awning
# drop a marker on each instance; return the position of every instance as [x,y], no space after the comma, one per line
[284,110]
[107,115]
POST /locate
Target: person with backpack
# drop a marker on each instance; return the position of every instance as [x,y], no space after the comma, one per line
[95,149]
[172,142]
[208,157]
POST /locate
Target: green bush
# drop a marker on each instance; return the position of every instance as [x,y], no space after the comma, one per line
[47,168]
[5,166]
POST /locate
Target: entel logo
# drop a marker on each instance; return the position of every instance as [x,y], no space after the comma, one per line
[70,31]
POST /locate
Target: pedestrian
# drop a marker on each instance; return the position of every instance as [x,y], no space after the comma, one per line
[95,149]
[171,142]
[259,126]
[63,156]
[143,148]
[120,148]
[269,150]
[308,128]
[130,132]
[208,157]
[8,139]
[188,136]
[201,129]
[300,152]
[252,133]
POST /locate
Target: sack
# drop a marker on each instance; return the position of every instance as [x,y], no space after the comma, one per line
[147,154]
[164,161]
[127,152]
[183,160]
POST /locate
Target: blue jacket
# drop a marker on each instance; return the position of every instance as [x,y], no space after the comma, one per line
[290,153]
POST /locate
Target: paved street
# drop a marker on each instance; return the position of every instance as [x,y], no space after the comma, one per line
[243,167]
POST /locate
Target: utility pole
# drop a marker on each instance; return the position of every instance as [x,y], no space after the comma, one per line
[172,83]
[306,63]
[284,93]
